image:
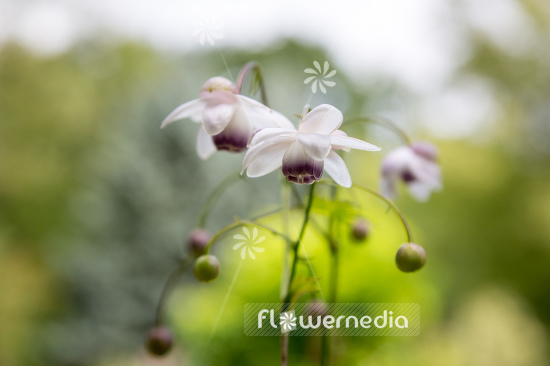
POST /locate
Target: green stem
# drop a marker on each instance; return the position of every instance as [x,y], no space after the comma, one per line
[214,196]
[296,244]
[238,223]
[252,65]
[390,203]
[167,288]
[383,121]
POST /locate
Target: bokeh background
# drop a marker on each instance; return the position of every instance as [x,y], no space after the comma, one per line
[96,200]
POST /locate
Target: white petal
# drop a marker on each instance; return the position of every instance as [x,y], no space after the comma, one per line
[268,134]
[243,253]
[254,233]
[338,147]
[205,146]
[314,86]
[353,143]
[330,74]
[259,249]
[336,168]
[246,231]
[421,192]
[262,116]
[323,89]
[251,254]
[272,139]
[269,159]
[238,245]
[192,109]
[329,83]
[388,186]
[310,71]
[322,119]
[326,67]
[216,117]
[239,236]
[261,239]
[316,145]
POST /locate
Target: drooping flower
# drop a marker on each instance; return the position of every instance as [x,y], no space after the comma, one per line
[416,166]
[306,152]
[227,117]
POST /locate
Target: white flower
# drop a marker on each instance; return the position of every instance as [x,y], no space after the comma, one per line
[207,30]
[320,76]
[227,117]
[416,166]
[250,242]
[306,152]
[287,321]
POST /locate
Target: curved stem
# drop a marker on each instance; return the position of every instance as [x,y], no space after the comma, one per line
[252,65]
[383,121]
[238,223]
[169,285]
[390,203]
[214,196]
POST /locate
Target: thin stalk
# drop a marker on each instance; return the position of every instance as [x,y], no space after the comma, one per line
[296,246]
[167,288]
[383,121]
[252,65]
[215,196]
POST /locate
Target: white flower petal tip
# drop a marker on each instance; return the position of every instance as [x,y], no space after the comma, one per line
[416,167]
[192,109]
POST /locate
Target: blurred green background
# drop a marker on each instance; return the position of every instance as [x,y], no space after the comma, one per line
[96,200]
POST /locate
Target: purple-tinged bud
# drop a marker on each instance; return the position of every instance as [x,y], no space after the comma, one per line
[299,167]
[410,257]
[197,242]
[159,341]
[207,268]
[360,230]
[426,150]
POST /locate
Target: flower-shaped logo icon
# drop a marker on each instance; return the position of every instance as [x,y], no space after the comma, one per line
[319,77]
[208,30]
[249,242]
[288,321]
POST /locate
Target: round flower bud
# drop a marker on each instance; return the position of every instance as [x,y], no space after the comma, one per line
[197,242]
[316,308]
[207,268]
[410,257]
[159,341]
[360,230]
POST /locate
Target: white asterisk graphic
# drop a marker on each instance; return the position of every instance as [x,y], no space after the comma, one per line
[249,242]
[208,30]
[319,77]
[288,321]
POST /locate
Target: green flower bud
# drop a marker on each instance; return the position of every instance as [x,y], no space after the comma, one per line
[360,230]
[410,257]
[207,268]
[159,341]
[197,242]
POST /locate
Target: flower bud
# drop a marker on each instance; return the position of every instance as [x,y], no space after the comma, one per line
[410,257]
[197,242]
[159,341]
[207,268]
[360,230]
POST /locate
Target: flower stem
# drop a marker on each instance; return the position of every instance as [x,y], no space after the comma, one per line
[214,196]
[167,288]
[381,121]
[296,246]
[388,201]
[252,65]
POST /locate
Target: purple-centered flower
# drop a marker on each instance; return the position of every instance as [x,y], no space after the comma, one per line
[416,166]
[227,117]
[306,152]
